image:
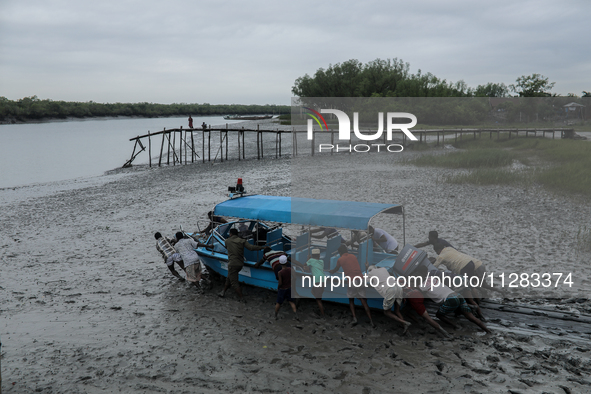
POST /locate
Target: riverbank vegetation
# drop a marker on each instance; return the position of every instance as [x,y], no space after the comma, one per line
[561,166]
[35,109]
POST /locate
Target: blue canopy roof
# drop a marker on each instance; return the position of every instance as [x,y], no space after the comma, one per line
[305,211]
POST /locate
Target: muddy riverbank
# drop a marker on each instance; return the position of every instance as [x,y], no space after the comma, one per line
[87,306]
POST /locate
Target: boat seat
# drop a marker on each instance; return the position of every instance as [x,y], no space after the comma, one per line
[274,236]
[252,255]
[302,241]
[332,247]
[302,256]
[333,262]
[365,253]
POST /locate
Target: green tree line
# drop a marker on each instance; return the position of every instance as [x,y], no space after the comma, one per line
[32,108]
[392,78]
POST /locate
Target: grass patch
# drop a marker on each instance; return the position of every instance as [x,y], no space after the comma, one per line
[562,166]
[488,158]
[584,239]
[490,176]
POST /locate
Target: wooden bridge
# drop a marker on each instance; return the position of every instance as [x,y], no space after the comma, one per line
[178,145]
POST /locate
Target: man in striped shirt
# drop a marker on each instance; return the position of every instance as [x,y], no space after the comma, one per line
[170,255]
[272,256]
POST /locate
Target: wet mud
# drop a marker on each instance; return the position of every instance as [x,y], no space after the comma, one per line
[88,306]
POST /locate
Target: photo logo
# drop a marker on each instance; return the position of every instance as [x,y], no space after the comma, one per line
[345,124]
[315,115]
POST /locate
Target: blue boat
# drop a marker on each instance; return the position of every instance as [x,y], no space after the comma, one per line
[260,218]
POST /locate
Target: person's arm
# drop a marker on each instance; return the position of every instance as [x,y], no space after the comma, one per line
[397,310]
[438,261]
[260,262]
[423,244]
[250,246]
[332,271]
[207,229]
[279,280]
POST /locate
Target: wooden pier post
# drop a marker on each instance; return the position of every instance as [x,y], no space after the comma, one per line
[243,152]
[221,148]
[192,148]
[258,146]
[332,140]
[149,149]
[161,149]
[262,148]
[168,153]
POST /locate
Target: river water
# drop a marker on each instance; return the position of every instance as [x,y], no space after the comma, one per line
[55,151]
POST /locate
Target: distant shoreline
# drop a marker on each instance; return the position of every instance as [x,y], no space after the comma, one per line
[74,119]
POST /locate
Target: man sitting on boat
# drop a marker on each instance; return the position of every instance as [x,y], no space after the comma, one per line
[235,246]
[387,242]
[351,268]
[165,247]
[214,221]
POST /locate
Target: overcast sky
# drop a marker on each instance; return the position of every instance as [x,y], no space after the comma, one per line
[251,52]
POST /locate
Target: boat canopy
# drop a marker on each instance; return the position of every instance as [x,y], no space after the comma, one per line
[305,211]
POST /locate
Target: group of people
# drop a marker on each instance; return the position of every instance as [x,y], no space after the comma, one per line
[461,301]
[395,297]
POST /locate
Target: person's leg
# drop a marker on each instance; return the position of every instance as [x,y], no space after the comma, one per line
[352,307]
[317,294]
[467,294]
[405,324]
[320,306]
[277,306]
[226,286]
[294,309]
[393,316]
[233,273]
[367,311]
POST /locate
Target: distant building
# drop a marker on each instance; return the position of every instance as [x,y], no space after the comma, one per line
[574,111]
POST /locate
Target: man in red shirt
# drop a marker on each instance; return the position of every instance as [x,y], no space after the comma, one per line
[352,270]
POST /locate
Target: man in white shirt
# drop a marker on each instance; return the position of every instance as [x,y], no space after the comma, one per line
[383,239]
[194,268]
[391,292]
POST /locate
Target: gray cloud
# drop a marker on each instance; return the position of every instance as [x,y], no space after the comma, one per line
[251,52]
